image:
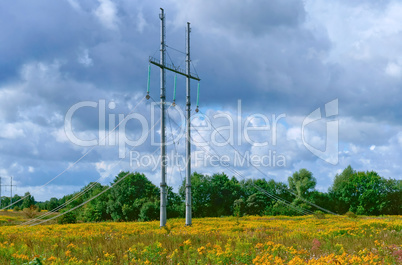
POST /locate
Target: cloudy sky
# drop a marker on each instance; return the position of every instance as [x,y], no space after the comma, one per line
[282,59]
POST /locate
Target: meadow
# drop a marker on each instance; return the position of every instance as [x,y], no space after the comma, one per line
[226,240]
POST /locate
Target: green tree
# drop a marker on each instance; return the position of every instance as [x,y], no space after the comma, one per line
[95,210]
[302,183]
[175,205]
[52,204]
[150,211]
[239,207]
[68,218]
[393,199]
[201,192]
[17,200]
[127,197]
[263,189]
[341,192]
[256,204]
[28,201]
[364,193]
[5,201]
[212,195]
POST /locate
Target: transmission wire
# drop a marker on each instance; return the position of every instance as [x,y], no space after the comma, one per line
[328,211]
[95,182]
[78,160]
[267,193]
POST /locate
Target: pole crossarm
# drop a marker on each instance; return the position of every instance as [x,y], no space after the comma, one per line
[170,67]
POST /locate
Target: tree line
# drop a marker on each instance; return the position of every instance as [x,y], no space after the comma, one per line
[137,198]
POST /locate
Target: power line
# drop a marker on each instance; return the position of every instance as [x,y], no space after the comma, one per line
[273,196]
[82,192]
[175,49]
[174,143]
[85,190]
[82,204]
[328,211]
[82,157]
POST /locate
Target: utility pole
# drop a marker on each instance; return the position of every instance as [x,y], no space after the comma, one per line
[165,66]
[163,138]
[188,135]
[11,189]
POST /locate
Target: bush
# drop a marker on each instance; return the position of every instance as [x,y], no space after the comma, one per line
[279,208]
[68,218]
[351,214]
[239,208]
[149,211]
[30,212]
[16,209]
[319,215]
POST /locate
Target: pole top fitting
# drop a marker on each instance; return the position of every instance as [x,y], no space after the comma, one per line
[161,15]
[197,110]
[147,96]
[174,103]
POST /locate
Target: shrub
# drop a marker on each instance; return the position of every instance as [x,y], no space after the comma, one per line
[319,215]
[16,209]
[68,218]
[351,214]
[30,212]
[239,208]
[149,211]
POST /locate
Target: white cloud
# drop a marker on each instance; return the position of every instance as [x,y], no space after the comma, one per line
[107,14]
[75,4]
[349,50]
[84,58]
[11,131]
[393,70]
[141,22]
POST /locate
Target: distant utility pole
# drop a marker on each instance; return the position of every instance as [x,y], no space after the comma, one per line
[164,66]
[188,133]
[11,189]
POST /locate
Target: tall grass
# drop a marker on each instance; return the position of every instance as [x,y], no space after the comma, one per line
[229,240]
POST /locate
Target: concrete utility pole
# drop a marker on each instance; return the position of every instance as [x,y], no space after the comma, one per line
[11,189]
[188,135]
[165,66]
[163,138]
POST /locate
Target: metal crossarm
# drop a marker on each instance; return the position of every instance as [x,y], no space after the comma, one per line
[170,67]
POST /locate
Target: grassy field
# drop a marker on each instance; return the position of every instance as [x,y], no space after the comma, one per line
[229,240]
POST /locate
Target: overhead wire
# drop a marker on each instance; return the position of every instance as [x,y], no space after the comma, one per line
[175,146]
[175,49]
[82,192]
[294,194]
[79,159]
[87,201]
[273,196]
[97,195]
